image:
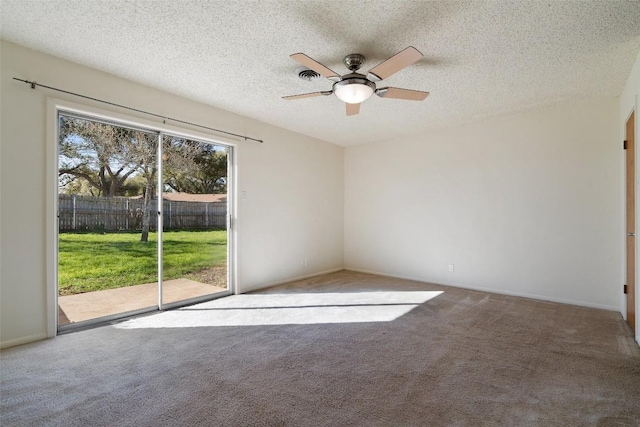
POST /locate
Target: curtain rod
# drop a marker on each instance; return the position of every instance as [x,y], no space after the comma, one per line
[34,84]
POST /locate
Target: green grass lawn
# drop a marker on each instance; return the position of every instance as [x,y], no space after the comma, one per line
[91,261]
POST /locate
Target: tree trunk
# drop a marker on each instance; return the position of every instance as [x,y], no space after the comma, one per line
[113,187]
[104,186]
[146,217]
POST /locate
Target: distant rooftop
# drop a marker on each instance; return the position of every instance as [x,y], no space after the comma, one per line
[186,197]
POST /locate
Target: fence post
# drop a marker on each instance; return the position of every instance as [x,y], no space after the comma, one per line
[170,223]
[206,214]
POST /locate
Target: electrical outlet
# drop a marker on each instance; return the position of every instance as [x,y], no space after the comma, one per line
[451,268]
[304,262]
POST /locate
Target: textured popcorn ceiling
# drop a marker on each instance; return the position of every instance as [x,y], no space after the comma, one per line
[481,58]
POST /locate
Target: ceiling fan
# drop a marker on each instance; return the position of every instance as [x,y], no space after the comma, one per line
[354,88]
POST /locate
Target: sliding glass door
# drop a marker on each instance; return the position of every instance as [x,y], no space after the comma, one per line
[194,215]
[115,184]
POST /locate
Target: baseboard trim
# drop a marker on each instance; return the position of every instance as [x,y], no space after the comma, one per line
[293,279]
[491,290]
[22,340]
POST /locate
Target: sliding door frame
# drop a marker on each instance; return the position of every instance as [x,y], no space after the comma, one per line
[54,108]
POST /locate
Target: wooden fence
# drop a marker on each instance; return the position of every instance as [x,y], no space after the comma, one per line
[86,213]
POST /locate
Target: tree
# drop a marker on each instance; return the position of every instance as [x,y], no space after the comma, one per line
[106,156]
[145,158]
[194,167]
[103,155]
[74,185]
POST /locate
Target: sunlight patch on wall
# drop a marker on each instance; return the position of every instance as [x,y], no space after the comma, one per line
[288,309]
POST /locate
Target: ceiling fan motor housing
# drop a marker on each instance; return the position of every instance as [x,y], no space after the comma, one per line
[354,61]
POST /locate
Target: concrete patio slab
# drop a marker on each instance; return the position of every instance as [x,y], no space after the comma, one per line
[92,305]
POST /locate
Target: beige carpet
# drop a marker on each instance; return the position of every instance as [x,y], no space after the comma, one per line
[340,350]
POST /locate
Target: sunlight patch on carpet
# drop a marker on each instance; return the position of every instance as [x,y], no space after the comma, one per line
[288,309]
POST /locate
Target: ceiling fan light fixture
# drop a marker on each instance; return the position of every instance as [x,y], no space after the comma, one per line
[354,90]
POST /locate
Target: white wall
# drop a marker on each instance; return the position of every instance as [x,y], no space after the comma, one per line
[294,186]
[525,204]
[630,101]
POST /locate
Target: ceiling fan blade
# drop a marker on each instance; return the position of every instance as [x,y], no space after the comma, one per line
[307,95]
[352,109]
[394,64]
[315,66]
[398,93]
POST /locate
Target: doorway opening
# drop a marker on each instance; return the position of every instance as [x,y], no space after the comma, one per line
[630,286]
[143,220]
